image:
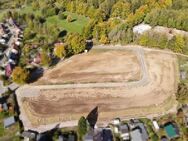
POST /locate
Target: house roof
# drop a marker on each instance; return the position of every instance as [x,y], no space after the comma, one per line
[171,130]
[136,135]
[88,137]
[107,135]
[124,128]
[5,106]
[28,134]
[9,121]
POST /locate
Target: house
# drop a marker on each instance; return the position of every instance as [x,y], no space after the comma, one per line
[60,138]
[88,136]
[171,130]
[164,138]
[155,124]
[5,107]
[71,137]
[124,132]
[13,86]
[141,28]
[8,70]
[136,135]
[135,124]
[99,134]
[116,121]
[28,135]
[183,75]
[9,122]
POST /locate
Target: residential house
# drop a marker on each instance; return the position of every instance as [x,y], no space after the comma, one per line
[99,134]
[137,125]
[124,132]
[164,138]
[9,122]
[171,130]
[136,135]
[29,135]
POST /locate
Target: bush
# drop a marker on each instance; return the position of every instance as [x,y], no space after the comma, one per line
[20,75]
[69,18]
[62,16]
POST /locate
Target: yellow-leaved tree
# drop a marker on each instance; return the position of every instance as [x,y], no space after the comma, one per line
[60,51]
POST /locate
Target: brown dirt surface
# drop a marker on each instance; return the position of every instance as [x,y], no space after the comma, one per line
[95,66]
[55,104]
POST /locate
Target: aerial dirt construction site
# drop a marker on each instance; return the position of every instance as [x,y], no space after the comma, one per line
[122,81]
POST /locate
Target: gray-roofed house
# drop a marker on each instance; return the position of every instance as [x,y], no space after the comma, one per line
[136,124]
[5,107]
[60,138]
[124,132]
[136,135]
[29,135]
[9,122]
[88,137]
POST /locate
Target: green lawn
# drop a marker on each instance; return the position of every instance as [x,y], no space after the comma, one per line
[76,26]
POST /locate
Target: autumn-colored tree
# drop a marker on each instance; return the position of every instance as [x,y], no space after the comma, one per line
[45,59]
[76,43]
[20,75]
[59,51]
[179,44]
[69,18]
[104,39]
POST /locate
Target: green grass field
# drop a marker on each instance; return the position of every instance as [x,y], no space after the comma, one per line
[75,26]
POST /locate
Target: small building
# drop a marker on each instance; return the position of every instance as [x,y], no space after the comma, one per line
[141,28]
[135,124]
[60,138]
[124,132]
[5,107]
[136,135]
[88,137]
[116,121]
[171,130]
[9,122]
[164,138]
[28,135]
[156,125]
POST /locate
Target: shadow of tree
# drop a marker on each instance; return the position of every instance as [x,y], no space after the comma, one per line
[93,117]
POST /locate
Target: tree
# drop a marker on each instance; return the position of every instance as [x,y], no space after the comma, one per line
[59,51]
[82,127]
[69,18]
[45,59]
[76,43]
[20,75]
[104,39]
[179,44]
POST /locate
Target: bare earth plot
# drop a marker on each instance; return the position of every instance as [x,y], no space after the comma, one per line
[96,66]
[125,82]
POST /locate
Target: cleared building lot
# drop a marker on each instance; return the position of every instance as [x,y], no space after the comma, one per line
[44,106]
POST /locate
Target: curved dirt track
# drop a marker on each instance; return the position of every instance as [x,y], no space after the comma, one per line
[153,95]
